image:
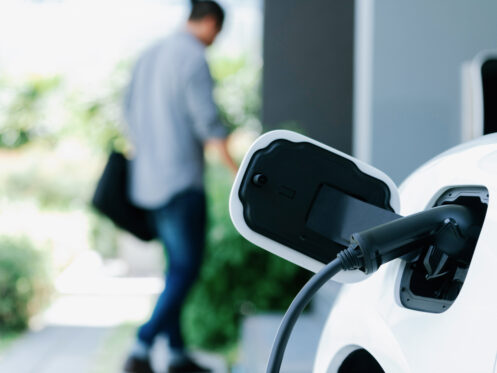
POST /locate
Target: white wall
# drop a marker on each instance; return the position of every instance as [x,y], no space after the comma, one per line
[408,94]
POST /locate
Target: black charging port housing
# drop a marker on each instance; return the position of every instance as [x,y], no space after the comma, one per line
[431,281]
[310,199]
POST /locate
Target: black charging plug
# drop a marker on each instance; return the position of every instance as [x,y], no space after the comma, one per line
[450,227]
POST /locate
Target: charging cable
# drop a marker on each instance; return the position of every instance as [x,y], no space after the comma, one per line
[450,226]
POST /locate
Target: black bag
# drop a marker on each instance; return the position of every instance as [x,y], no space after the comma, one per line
[111,199]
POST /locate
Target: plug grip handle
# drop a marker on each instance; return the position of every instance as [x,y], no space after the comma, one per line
[449,225]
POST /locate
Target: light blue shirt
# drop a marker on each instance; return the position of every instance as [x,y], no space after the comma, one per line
[171,113]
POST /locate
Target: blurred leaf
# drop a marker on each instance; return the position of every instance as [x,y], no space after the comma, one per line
[24,283]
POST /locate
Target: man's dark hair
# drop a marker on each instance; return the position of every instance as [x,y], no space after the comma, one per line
[203,8]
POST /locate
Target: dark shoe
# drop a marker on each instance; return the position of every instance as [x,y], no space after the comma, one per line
[135,365]
[187,366]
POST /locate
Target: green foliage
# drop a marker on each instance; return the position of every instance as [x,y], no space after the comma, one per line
[99,118]
[237,278]
[50,191]
[24,283]
[79,128]
[46,176]
[27,110]
[44,109]
[237,92]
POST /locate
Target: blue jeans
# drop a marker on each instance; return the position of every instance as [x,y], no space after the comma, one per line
[181,228]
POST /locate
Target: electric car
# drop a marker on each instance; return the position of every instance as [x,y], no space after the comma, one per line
[420,260]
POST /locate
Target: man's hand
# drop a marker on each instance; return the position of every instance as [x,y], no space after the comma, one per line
[221,146]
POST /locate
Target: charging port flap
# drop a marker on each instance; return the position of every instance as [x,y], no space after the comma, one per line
[311,199]
[301,200]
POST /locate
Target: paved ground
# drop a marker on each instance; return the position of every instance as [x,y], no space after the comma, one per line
[66,349]
[259,331]
[55,349]
[258,336]
[91,326]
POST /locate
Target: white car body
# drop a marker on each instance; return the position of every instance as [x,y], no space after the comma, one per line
[369,314]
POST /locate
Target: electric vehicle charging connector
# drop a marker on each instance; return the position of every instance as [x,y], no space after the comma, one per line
[449,227]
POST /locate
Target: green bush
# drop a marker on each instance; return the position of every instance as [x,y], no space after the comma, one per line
[237,278]
[24,283]
[27,110]
[237,92]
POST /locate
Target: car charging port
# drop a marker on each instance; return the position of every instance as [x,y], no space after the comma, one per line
[433,278]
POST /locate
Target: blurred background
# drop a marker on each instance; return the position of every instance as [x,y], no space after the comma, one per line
[371,78]
[73,288]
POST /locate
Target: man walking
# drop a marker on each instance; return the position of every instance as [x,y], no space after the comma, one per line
[172,117]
